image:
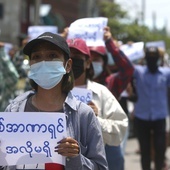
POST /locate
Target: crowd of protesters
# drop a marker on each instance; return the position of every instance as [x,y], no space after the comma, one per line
[146,85]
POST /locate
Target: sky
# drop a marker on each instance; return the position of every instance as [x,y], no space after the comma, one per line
[158,9]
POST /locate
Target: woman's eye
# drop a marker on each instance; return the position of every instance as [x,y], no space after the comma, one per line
[35,57]
[53,55]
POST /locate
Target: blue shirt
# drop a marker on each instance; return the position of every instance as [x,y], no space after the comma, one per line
[82,125]
[152,103]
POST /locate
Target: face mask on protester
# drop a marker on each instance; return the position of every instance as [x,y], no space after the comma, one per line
[98,68]
[77,67]
[47,74]
[152,63]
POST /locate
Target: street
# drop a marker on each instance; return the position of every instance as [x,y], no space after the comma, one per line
[132,160]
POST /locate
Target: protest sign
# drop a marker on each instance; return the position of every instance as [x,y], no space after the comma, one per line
[30,137]
[133,51]
[35,31]
[159,44]
[82,94]
[89,29]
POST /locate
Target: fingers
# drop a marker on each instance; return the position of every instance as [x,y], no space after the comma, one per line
[64,34]
[107,28]
[68,147]
[94,107]
[107,33]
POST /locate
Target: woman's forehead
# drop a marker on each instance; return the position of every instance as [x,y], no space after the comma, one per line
[45,46]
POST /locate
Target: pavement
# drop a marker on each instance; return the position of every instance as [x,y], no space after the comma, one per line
[132,159]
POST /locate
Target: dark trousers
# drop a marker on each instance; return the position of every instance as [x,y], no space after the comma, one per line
[145,129]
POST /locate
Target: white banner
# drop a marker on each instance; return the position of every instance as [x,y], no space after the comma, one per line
[30,137]
[159,44]
[89,29]
[82,94]
[35,31]
[133,51]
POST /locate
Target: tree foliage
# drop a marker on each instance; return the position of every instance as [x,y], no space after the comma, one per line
[130,31]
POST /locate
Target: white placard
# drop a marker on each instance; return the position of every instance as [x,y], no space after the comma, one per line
[159,44]
[30,137]
[133,51]
[82,94]
[89,29]
[35,31]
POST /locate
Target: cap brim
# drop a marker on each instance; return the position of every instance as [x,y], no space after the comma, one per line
[97,52]
[29,46]
[80,51]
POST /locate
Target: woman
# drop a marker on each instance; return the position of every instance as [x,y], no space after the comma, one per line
[51,77]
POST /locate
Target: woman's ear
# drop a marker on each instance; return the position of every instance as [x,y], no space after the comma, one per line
[68,65]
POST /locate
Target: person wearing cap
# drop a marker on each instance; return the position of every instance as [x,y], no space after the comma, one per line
[151,108]
[110,114]
[116,83]
[52,79]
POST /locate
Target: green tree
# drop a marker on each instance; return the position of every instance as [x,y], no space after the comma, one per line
[130,31]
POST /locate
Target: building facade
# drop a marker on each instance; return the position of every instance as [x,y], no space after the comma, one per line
[17,15]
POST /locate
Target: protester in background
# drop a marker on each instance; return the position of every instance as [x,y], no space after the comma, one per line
[8,79]
[151,108]
[52,79]
[18,59]
[116,83]
[111,116]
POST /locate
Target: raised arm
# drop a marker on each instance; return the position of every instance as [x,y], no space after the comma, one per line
[118,82]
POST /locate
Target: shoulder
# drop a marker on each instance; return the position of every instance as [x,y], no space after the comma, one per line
[140,69]
[95,87]
[17,102]
[165,70]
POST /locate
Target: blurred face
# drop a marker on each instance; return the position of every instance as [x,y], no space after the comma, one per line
[80,62]
[98,64]
[152,63]
[96,57]
[46,52]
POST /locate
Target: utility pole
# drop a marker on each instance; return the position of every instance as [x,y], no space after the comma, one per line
[37,9]
[143,12]
[154,20]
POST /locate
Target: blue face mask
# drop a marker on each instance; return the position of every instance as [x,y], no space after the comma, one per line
[47,74]
[98,68]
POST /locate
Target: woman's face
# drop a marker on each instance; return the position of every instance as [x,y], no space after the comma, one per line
[96,57]
[46,51]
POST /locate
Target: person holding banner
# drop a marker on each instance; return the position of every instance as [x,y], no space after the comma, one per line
[52,79]
[110,114]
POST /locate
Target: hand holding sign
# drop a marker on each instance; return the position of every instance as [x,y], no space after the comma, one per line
[94,107]
[68,147]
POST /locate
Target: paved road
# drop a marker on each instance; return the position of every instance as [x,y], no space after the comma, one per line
[132,160]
